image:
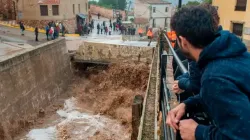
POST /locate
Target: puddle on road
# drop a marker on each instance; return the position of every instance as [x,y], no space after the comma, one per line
[76,125]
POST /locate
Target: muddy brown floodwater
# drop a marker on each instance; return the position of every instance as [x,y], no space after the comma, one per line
[99,106]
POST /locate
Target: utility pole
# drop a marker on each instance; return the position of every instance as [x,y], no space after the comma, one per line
[180,3]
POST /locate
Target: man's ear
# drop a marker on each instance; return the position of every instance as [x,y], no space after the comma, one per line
[183,41]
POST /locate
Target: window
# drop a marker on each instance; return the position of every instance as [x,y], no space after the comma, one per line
[166,9]
[44,10]
[55,10]
[241,5]
[86,5]
[153,22]
[238,29]
[73,8]
[154,9]
[79,8]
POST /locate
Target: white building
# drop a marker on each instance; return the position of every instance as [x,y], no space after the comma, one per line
[160,14]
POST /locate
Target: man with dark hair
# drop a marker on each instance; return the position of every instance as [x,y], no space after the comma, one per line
[225,92]
[190,82]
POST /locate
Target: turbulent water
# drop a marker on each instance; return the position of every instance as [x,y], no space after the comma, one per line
[76,125]
[108,91]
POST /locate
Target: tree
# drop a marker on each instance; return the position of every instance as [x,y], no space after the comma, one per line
[191,3]
[132,19]
[116,4]
[122,4]
[207,1]
[93,3]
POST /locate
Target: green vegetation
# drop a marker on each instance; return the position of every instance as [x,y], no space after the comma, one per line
[132,20]
[193,3]
[207,1]
[111,4]
[198,2]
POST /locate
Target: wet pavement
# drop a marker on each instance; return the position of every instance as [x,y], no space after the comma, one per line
[9,49]
[12,35]
[115,38]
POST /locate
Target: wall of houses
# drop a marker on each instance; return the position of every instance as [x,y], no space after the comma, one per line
[141,9]
[228,16]
[31,9]
[29,12]
[160,18]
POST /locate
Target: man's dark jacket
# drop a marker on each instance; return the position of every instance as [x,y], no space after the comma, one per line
[225,89]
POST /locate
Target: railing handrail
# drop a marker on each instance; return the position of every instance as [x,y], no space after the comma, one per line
[177,59]
[166,96]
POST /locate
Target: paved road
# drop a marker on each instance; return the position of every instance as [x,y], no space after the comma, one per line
[115,37]
[13,35]
[29,37]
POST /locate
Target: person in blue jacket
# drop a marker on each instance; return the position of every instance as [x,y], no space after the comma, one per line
[190,81]
[225,92]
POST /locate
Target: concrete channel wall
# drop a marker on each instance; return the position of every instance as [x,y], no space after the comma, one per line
[30,81]
[111,53]
[149,128]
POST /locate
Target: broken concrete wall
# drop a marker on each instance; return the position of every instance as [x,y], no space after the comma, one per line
[29,82]
[111,53]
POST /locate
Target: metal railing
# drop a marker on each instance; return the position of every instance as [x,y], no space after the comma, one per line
[165,98]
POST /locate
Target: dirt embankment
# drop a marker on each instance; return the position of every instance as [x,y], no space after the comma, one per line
[110,92]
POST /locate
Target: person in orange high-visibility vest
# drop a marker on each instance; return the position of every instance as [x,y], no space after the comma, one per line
[172,36]
[140,31]
[150,35]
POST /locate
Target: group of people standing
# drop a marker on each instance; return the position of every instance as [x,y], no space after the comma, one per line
[85,28]
[103,28]
[115,27]
[53,29]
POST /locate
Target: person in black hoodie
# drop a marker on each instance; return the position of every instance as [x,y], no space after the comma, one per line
[47,28]
[22,28]
[98,28]
[190,82]
[225,92]
[36,33]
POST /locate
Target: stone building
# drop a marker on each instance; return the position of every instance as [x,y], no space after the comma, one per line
[142,11]
[160,14]
[40,12]
[7,9]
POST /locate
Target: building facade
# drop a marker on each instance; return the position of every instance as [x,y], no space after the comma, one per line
[235,17]
[141,9]
[43,11]
[7,9]
[160,14]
